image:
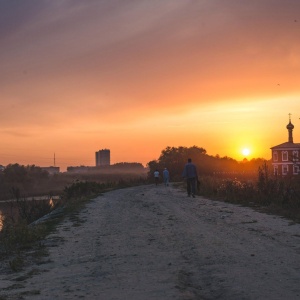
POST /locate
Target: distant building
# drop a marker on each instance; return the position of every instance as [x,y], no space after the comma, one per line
[103,158]
[285,157]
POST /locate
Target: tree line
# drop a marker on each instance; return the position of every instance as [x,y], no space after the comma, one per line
[174,159]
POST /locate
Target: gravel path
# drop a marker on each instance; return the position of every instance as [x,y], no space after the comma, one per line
[151,242]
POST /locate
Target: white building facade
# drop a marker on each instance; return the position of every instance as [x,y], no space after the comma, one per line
[285,157]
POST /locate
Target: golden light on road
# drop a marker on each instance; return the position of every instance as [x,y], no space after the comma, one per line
[246,151]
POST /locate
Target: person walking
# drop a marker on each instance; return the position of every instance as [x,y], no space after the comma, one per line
[191,176]
[156,177]
[166,176]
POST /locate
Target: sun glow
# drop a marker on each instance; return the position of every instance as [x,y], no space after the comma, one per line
[246,151]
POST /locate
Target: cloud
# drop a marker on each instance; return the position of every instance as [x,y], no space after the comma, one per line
[94,65]
[16,134]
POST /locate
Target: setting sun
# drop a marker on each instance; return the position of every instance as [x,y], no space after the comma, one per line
[136,91]
[246,151]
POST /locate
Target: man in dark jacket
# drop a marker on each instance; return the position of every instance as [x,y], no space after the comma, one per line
[190,173]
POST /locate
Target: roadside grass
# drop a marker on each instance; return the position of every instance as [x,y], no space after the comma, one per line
[263,192]
[278,196]
[21,244]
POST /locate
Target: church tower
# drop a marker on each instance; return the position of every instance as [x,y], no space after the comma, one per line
[290,128]
[286,156]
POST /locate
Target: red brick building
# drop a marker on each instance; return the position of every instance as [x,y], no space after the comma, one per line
[285,157]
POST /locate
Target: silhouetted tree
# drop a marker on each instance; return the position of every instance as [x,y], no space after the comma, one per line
[174,158]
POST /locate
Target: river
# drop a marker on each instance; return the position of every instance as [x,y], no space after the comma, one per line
[10,208]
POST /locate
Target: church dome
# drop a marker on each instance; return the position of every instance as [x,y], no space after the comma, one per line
[290,126]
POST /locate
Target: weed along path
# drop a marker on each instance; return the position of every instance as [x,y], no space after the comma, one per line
[151,242]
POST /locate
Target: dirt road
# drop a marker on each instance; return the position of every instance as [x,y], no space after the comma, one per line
[151,242]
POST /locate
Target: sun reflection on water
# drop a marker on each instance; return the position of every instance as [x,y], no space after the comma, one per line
[1,220]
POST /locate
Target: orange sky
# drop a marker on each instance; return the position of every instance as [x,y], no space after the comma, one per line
[137,76]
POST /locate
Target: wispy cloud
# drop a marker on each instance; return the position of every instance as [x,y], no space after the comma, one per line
[89,64]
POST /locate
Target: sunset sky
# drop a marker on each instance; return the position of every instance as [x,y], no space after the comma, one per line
[136,76]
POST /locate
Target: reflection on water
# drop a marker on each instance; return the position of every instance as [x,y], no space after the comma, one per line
[10,209]
[1,220]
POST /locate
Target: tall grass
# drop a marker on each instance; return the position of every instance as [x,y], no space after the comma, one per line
[272,194]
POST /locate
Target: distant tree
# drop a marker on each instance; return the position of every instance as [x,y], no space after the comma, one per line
[22,178]
[15,174]
[174,159]
[153,165]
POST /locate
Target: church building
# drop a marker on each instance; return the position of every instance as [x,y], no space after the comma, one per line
[285,157]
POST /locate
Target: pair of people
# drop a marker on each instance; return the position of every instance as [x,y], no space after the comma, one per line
[189,172]
[166,176]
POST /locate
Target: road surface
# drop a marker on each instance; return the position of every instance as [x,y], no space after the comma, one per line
[154,242]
